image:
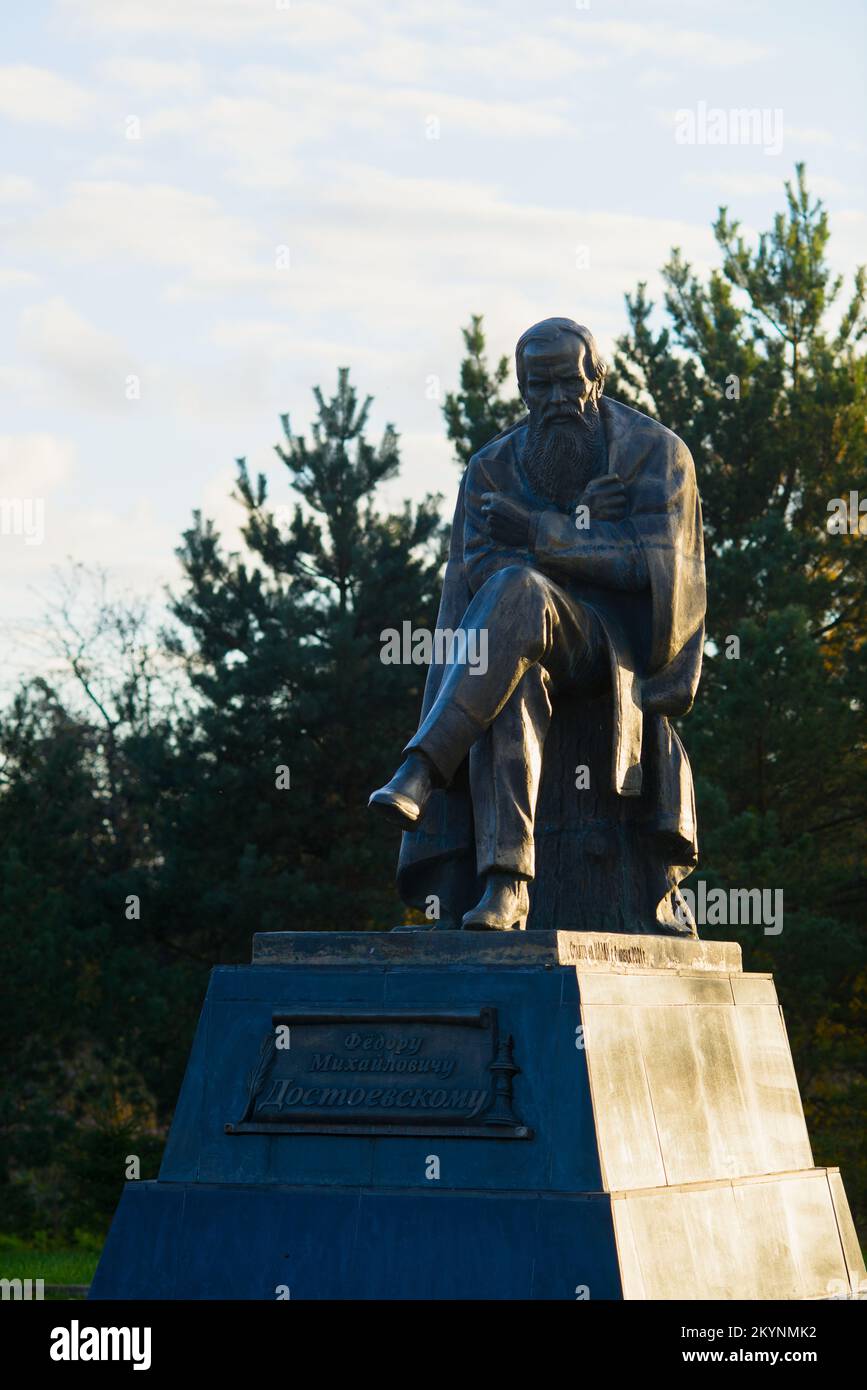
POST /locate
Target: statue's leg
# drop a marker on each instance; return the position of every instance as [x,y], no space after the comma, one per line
[505,776]
[505,773]
[539,638]
[527,620]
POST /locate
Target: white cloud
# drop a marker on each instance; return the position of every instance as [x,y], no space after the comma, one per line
[391,59]
[113,166]
[524,57]
[16,188]
[809,135]
[261,137]
[71,360]
[151,75]
[88,363]
[19,382]
[133,544]
[34,465]
[672,42]
[746,185]
[254,137]
[225,21]
[366,243]
[219,506]
[396,248]
[41,96]
[428,467]
[274,342]
[655,77]
[11,279]
[149,223]
[402,41]
[848,240]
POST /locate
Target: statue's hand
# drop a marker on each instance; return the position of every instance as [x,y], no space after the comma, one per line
[507,521]
[605,498]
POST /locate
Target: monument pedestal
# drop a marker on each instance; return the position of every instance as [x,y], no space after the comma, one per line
[471,1115]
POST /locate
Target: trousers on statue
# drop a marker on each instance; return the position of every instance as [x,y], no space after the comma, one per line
[540,640]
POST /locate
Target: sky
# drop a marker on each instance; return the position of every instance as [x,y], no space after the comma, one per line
[208,206]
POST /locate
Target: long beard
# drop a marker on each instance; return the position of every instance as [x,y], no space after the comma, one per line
[559,458]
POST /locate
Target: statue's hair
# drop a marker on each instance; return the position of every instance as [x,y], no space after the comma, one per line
[549,330]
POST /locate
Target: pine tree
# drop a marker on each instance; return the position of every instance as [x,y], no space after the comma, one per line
[479,410]
[283,651]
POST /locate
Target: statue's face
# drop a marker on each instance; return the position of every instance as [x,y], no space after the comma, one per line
[558,384]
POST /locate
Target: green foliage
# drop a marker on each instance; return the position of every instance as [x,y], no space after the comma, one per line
[94,1165]
[283,652]
[86,1011]
[479,410]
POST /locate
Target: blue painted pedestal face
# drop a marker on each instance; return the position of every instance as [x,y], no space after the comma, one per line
[482,1115]
[500,1196]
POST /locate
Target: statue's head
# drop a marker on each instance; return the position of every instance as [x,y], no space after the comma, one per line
[560,371]
[561,377]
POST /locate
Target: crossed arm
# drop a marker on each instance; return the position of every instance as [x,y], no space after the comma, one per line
[606,552]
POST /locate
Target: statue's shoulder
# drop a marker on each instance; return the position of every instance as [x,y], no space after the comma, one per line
[630,429]
[504,444]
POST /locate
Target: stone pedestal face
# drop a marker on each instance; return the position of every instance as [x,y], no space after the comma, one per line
[462,1115]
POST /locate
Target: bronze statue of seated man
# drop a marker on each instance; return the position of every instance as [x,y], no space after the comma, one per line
[577,551]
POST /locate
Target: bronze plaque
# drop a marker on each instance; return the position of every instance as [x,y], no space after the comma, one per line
[390,1073]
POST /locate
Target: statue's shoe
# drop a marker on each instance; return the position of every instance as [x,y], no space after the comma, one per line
[404,798]
[503,906]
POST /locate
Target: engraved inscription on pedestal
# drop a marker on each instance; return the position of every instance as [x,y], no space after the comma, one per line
[394,1073]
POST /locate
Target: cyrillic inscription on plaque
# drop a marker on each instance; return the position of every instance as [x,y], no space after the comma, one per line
[396,1073]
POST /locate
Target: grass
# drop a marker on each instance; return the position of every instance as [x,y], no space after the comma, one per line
[54,1266]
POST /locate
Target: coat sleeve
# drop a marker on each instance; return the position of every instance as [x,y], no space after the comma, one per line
[665,513]
[482,556]
[606,553]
